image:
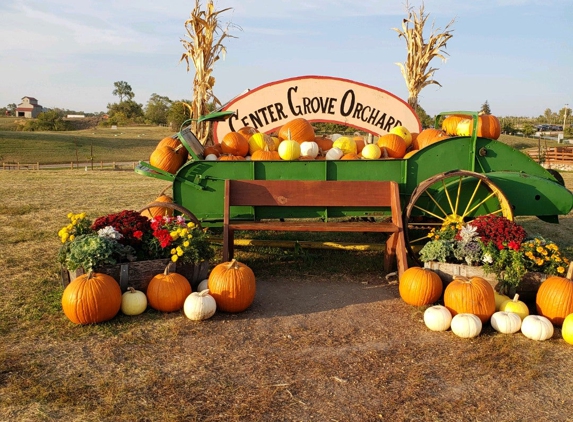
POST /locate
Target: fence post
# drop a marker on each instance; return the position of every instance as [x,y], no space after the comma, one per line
[72,165]
[38,165]
[18,166]
[101,165]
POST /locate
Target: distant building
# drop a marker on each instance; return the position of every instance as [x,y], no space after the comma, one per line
[29,108]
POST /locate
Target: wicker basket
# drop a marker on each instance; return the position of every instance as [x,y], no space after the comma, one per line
[138,274]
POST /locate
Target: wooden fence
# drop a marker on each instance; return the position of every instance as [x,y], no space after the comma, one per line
[552,155]
[72,165]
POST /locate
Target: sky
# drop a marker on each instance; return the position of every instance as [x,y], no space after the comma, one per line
[515,54]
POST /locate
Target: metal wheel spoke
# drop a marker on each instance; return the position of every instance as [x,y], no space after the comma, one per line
[459,194]
[437,204]
[447,195]
[472,198]
[483,201]
[429,212]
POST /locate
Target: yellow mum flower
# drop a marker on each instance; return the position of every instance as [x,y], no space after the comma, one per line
[174,235]
[539,249]
[64,238]
[174,258]
[179,251]
[539,262]
[82,215]
[72,237]
[186,244]
[70,215]
[173,251]
[191,225]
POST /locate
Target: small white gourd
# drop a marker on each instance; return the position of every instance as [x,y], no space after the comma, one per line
[203,285]
[211,157]
[199,306]
[437,318]
[466,325]
[505,322]
[309,149]
[334,154]
[537,327]
[133,302]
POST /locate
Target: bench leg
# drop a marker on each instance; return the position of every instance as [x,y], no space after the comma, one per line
[231,244]
[390,253]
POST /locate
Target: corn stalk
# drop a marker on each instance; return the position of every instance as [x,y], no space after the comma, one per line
[420,53]
[203,47]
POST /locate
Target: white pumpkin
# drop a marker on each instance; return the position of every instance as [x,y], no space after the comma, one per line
[211,157]
[505,322]
[437,318]
[309,149]
[466,325]
[537,327]
[203,285]
[133,302]
[199,306]
[334,154]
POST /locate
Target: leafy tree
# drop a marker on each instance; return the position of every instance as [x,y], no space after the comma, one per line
[426,120]
[507,127]
[547,114]
[132,111]
[485,108]
[48,120]
[123,89]
[157,108]
[178,112]
[528,129]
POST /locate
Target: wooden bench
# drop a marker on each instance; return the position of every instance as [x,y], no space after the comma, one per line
[311,193]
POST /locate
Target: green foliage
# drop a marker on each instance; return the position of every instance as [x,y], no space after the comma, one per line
[330,128]
[49,120]
[485,108]
[178,113]
[124,112]
[157,108]
[426,120]
[507,128]
[123,89]
[528,129]
[90,251]
[568,132]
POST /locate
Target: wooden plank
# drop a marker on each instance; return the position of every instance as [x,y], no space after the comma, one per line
[310,193]
[315,226]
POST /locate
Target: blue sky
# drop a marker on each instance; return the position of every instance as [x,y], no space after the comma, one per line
[515,54]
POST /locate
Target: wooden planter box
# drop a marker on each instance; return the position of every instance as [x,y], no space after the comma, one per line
[138,274]
[527,288]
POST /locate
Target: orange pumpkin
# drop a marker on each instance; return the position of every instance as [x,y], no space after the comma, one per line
[470,295]
[91,298]
[168,158]
[230,157]
[359,140]
[159,211]
[420,286]
[265,155]
[351,156]
[247,131]
[300,130]
[234,143]
[213,149]
[488,126]
[232,285]
[167,292]
[554,299]
[450,124]
[324,143]
[392,145]
[174,143]
[428,137]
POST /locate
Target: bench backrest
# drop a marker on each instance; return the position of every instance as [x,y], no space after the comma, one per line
[296,193]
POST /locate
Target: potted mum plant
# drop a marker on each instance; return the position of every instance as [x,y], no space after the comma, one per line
[494,248]
[132,248]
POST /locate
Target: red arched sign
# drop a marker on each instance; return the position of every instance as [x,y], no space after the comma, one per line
[318,99]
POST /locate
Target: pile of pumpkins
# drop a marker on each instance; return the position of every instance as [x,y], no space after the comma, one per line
[469,303]
[296,140]
[96,297]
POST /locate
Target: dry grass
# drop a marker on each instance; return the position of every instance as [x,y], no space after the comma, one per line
[326,339]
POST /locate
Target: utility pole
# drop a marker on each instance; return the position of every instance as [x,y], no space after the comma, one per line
[565,116]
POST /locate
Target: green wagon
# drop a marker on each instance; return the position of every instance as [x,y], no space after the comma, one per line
[456,179]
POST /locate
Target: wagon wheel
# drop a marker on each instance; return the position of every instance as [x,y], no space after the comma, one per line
[456,196]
